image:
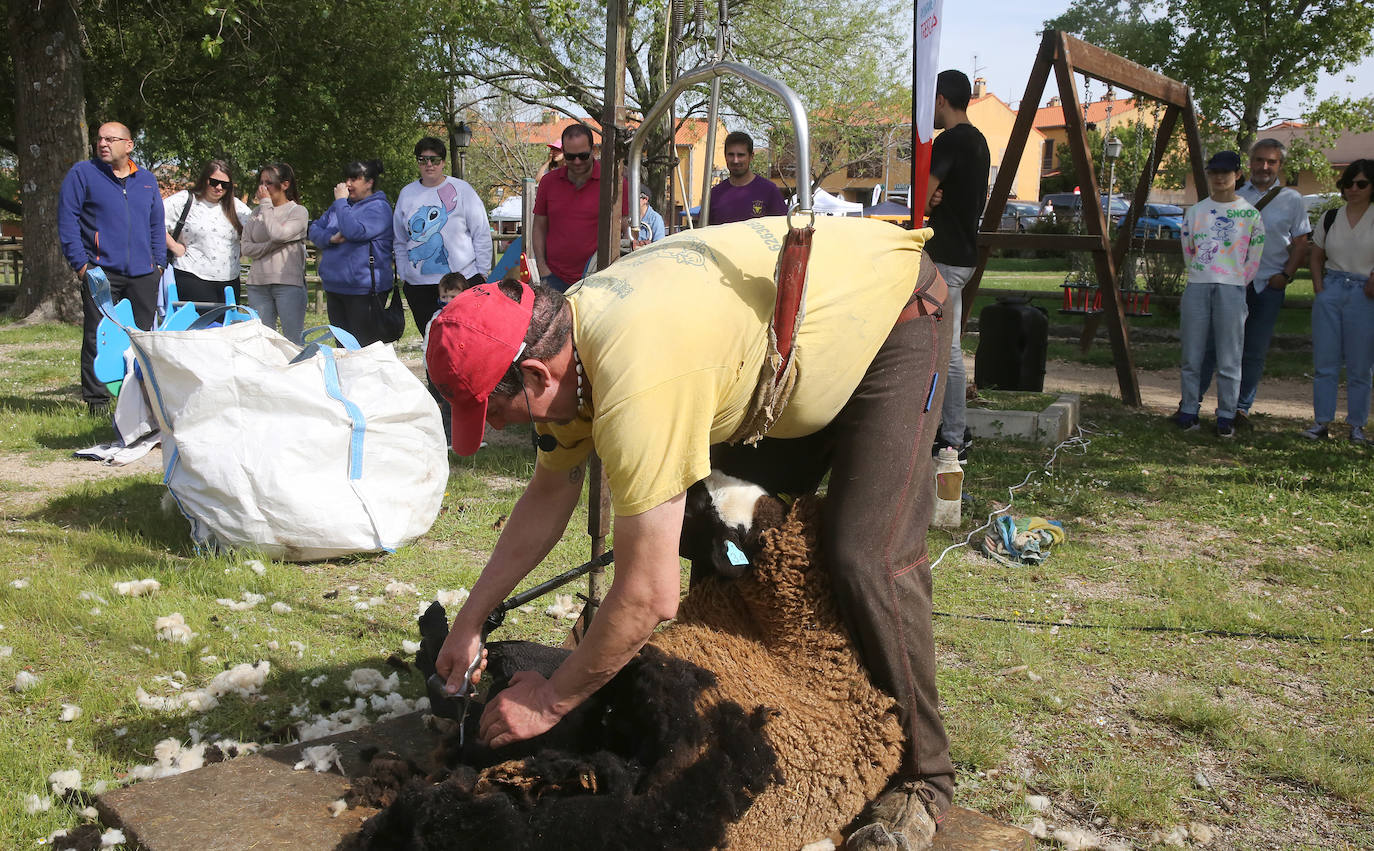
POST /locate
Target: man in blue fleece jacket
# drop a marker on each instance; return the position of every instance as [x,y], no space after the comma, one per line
[109,214]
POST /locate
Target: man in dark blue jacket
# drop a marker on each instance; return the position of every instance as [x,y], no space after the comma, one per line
[109,214]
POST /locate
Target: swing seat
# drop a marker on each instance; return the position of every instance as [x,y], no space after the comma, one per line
[1081,298]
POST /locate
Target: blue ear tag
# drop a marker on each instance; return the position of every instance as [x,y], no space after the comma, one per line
[735,554]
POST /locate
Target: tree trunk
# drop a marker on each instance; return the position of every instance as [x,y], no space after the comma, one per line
[50,135]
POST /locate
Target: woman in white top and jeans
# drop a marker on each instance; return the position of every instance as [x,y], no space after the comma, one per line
[1342,261]
[206,251]
[274,236]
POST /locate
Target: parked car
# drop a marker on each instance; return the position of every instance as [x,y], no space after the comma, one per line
[1068,206]
[1319,203]
[1162,220]
[1019,215]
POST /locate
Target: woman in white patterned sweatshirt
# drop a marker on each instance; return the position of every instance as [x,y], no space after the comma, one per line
[1223,239]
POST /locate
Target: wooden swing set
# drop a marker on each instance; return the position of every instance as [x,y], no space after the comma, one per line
[1066,55]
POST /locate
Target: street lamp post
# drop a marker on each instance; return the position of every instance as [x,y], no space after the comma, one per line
[462,137]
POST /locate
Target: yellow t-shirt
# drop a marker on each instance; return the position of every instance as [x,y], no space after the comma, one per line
[672,338]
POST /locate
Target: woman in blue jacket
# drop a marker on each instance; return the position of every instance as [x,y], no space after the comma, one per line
[354,238]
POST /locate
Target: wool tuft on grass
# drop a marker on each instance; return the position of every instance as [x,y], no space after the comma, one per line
[280,608]
[35,804]
[70,712]
[25,680]
[137,587]
[173,628]
[368,680]
[61,781]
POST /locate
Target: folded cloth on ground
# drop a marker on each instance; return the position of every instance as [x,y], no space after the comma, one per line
[1024,541]
[116,454]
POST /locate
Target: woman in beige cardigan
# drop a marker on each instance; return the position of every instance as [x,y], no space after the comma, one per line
[274,236]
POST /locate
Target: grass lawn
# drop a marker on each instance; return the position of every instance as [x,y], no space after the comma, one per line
[1196,654]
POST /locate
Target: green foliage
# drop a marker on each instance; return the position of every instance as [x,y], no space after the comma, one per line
[1137,141]
[1240,57]
[314,84]
[546,53]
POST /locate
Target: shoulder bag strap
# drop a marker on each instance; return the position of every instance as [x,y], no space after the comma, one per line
[372,266]
[181,220]
[1328,220]
[1268,196]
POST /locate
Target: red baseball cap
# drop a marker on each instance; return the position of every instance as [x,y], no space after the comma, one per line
[472,342]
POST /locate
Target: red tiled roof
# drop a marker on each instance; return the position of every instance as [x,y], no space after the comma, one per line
[1053,116]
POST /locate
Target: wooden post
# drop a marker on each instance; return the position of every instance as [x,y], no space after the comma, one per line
[1001,189]
[608,251]
[1068,55]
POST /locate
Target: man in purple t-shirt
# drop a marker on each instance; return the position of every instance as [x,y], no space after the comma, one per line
[743,195]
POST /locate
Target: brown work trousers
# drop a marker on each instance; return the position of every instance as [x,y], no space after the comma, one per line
[880,499]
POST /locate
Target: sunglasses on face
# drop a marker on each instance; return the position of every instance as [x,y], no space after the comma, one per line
[110,140]
[1359,184]
[585,155]
[429,160]
[221,184]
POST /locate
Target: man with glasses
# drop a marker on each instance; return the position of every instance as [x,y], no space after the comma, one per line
[567,208]
[109,214]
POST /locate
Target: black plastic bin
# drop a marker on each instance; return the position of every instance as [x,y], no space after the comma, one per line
[1012,339]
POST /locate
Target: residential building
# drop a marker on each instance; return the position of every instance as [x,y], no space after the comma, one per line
[875,149]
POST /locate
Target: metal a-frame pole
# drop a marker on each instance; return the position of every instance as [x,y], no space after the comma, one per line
[613,135]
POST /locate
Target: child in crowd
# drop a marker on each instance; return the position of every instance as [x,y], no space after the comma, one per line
[449,286]
[1223,238]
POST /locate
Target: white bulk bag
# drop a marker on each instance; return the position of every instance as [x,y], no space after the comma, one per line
[341,452]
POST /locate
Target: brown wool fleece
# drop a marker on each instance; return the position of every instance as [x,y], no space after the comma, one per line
[773,638]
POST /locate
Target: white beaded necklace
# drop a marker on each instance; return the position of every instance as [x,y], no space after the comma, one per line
[577,362]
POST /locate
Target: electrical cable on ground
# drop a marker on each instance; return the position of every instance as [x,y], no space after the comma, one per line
[1078,443]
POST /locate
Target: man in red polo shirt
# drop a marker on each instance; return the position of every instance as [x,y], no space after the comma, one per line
[566,209]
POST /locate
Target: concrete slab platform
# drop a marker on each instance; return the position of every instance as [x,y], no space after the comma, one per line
[1048,427]
[259,802]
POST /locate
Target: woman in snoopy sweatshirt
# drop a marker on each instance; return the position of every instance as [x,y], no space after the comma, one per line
[1223,239]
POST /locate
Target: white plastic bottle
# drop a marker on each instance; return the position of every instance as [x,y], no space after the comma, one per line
[949,488]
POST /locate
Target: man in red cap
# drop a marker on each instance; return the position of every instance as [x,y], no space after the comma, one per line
[656,363]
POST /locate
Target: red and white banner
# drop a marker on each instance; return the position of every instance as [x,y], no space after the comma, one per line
[926,45]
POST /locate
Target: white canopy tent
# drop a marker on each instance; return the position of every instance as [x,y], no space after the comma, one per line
[507,211]
[826,204]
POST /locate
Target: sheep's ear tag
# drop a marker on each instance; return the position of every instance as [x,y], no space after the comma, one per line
[735,554]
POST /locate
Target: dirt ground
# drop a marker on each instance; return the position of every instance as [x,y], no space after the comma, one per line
[1290,398]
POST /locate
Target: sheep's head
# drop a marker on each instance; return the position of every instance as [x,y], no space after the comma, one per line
[722,523]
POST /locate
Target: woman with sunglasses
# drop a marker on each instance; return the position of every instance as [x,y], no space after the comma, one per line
[204,224]
[354,237]
[1342,261]
[274,236]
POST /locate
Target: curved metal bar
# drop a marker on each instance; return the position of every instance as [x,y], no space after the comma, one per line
[714,70]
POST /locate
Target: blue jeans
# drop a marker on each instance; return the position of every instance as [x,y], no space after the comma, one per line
[280,301]
[953,413]
[1215,312]
[1262,313]
[1342,332]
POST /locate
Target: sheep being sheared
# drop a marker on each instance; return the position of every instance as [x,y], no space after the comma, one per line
[747,723]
